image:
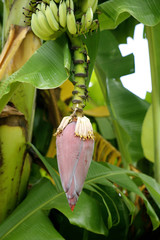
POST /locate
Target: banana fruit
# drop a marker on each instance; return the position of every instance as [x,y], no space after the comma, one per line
[44,21]
[41,7]
[37,29]
[54,9]
[63,13]
[71,22]
[87,20]
[70,4]
[89,17]
[53,17]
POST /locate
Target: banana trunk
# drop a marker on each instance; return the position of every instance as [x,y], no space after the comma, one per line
[14,160]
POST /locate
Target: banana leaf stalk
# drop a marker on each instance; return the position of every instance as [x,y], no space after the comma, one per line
[153,35]
[14,160]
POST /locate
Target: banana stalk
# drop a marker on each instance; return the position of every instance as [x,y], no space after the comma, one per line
[80,74]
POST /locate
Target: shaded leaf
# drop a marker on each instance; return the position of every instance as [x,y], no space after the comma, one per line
[147,135]
[100,111]
[128,112]
[145,11]
[109,59]
[121,177]
[105,127]
[52,172]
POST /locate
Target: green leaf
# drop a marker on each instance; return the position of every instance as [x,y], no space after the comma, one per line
[125,29]
[100,172]
[105,127]
[126,109]
[45,69]
[106,22]
[147,135]
[28,212]
[38,227]
[42,198]
[127,112]
[52,172]
[109,58]
[115,11]
[152,186]
[150,183]
[93,188]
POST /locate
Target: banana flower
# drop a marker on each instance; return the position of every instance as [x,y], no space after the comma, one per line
[75,145]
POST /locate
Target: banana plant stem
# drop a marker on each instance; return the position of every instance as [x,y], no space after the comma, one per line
[80,72]
[153,35]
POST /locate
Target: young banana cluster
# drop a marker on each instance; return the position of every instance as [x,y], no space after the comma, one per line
[52,17]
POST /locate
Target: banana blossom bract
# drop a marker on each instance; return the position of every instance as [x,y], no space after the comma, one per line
[75,145]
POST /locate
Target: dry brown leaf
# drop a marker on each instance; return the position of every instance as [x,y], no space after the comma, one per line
[105,151]
[101,111]
[15,38]
[66,90]
[20,46]
[52,147]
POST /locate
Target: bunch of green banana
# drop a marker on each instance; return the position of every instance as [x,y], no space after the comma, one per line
[52,18]
[44,21]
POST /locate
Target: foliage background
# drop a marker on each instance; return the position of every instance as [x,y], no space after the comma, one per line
[121,196]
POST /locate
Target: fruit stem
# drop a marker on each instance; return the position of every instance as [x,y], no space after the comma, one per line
[80,72]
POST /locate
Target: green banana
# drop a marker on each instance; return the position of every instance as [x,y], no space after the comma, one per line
[63,13]
[86,20]
[57,1]
[42,7]
[51,19]
[71,22]
[83,23]
[85,4]
[70,4]
[42,20]
[89,17]
[37,29]
[38,7]
[94,6]
[54,9]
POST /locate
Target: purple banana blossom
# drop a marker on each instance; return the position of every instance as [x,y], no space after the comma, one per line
[74,154]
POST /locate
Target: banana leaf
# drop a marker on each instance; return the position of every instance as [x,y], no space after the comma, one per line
[114,12]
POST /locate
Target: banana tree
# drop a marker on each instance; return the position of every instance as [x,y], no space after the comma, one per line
[79,44]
